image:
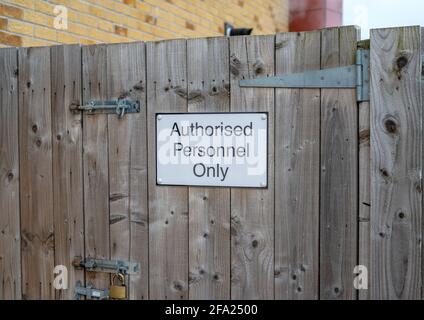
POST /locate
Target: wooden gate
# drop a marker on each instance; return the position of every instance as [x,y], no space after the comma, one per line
[85,185]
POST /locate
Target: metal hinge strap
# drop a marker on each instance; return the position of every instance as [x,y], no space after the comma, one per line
[354,76]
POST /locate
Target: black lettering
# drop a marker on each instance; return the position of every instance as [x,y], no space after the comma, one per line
[175,148]
[238,131]
[210,129]
[248,130]
[202,167]
[228,131]
[175,129]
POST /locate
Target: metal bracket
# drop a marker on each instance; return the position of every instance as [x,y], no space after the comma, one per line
[354,76]
[108,266]
[90,292]
[117,106]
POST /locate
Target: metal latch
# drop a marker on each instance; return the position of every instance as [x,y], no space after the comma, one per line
[90,292]
[354,76]
[108,266]
[117,106]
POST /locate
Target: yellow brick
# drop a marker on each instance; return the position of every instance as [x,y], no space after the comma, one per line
[78,29]
[64,37]
[92,21]
[38,18]
[105,25]
[28,4]
[104,36]
[77,5]
[43,6]
[10,11]
[144,7]
[19,27]
[102,13]
[45,33]
[145,27]
[140,36]
[88,41]
[31,42]
[163,34]
[88,20]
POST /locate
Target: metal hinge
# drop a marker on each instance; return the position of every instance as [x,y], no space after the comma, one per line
[108,266]
[354,76]
[117,106]
[90,292]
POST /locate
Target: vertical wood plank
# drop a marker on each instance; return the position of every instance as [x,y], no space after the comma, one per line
[95,162]
[127,163]
[209,216]
[10,243]
[422,150]
[67,162]
[339,171]
[396,168]
[252,211]
[297,148]
[364,191]
[168,206]
[35,147]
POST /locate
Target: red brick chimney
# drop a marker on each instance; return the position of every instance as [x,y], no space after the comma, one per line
[315,14]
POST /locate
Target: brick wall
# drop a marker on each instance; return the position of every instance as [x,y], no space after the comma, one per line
[315,14]
[31,22]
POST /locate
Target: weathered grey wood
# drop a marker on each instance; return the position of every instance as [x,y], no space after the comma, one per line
[209,208]
[297,147]
[364,191]
[10,242]
[252,211]
[422,151]
[168,206]
[95,161]
[67,162]
[339,171]
[127,163]
[36,190]
[396,167]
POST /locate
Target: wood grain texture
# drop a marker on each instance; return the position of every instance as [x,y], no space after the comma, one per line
[168,206]
[396,167]
[364,191]
[127,163]
[339,171]
[95,161]
[67,162]
[252,211]
[209,214]
[36,187]
[297,147]
[10,240]
[422,151]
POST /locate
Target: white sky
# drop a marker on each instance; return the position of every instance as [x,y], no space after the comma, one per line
[370,14]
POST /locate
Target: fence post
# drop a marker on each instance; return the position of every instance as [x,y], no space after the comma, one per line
[396,163]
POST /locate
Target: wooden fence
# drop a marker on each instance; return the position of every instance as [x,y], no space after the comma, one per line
[85,185]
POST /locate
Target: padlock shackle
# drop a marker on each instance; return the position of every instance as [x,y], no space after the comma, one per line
[121,278]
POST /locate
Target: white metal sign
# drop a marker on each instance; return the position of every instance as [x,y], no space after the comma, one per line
[212,149]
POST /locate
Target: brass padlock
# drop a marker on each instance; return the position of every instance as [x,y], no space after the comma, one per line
[118,292]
